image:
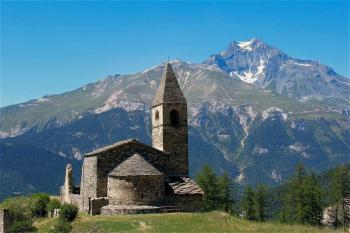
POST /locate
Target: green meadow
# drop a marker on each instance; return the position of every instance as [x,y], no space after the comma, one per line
[212,222]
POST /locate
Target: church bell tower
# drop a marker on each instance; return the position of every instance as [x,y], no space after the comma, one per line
[169,122]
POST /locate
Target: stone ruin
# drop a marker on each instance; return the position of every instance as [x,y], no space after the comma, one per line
[5,221]
[130,177]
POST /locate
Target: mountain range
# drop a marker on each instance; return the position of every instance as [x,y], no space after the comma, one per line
[254,112]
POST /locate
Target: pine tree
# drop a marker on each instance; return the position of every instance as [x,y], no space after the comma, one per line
[208,181]
[260,203]
[293,201]
[299,193]
[225,187]
[340,196]
[247,203]
[312,201]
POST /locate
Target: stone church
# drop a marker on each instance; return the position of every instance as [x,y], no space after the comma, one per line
[130,177]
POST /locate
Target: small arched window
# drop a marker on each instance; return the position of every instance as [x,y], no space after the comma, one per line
[174,118]
[156,116]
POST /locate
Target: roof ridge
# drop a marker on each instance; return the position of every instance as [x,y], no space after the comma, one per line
[116,144]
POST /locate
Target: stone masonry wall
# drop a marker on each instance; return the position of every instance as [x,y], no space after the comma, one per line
[187,202]
[136,190]
[108,161]
[170,138]
[88,187]
[5,220]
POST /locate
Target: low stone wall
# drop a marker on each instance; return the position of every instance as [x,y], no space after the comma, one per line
[97,204]
[5,220]
[124,210]
[187,202]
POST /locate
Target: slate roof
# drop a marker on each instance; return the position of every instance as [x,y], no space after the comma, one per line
[135,165]
[110,147]
[184,185]
[122,145]
[169,90]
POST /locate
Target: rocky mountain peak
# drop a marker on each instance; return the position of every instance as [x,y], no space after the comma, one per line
[248,46]
[264,66]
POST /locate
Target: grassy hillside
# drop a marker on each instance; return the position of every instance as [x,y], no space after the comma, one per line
[177,222]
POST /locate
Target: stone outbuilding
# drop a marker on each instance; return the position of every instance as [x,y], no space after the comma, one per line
[135,182]
[131,177]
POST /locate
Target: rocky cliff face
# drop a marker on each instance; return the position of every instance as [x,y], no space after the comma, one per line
[239,121]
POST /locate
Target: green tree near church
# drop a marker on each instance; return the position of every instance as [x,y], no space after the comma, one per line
[312,201]
[218,190]
[261,203]
[302,199]
[225,187]
[247,204]
[208,181]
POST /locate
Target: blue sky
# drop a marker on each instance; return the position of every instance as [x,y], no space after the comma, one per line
[51,47]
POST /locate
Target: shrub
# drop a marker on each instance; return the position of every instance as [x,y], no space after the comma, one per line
[61,227]
[68,212]
[53,204]
[39,204]
[22,226]
[19,208]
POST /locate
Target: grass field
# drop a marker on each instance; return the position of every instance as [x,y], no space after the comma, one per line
[177,222]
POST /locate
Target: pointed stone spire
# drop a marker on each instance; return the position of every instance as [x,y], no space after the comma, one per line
[169,90]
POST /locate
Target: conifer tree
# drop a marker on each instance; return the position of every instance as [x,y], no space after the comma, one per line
[247,203]
[293,203]
[312,201]
[225,187]
[340,196]
[208,181]
[260,203]
[298,187]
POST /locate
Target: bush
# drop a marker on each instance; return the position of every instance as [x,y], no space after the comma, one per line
[39,204]
[53,204]
[61,227]
[68,212]
[19,208]
[22,226]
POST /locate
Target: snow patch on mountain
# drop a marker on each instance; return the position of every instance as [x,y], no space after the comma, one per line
[261,67]
[150,69]
[274,111]
[249,76]
[42,100]
[302,64]
[246,45]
